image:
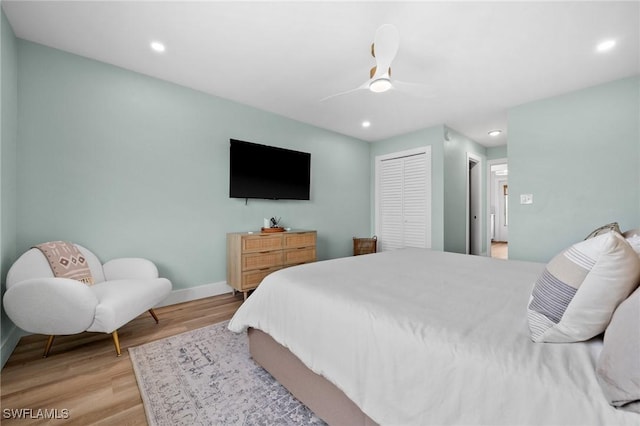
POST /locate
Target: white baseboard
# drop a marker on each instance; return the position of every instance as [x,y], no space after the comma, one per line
[9,343]
[193,293]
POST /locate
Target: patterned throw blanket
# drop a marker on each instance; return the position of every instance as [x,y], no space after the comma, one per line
[66,261]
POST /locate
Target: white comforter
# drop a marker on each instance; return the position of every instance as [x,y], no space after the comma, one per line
[419,337]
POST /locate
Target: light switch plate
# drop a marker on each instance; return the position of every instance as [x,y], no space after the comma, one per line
[526,198]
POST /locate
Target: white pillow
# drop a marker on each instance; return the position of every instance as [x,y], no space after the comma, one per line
[633,238]
[634,242]
[618,367]
[631,232]
[575,296]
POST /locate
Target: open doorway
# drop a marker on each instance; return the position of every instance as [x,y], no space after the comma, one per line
[498,208]
[474,204]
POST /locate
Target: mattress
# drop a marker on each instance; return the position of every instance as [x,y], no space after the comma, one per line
[416,336]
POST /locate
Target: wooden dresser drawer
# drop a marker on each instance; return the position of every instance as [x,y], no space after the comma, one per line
[253,256]
[269,259]
[253,243]
[300,255]
[251,279]
[299,239]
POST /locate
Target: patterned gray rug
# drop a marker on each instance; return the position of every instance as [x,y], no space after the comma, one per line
[206,377]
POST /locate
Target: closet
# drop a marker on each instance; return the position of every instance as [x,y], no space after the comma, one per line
[403,199]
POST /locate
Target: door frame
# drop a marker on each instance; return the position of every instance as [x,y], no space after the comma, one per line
[501,231]
[477,189]
[490,163]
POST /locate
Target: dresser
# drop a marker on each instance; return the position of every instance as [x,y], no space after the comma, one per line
[253,256]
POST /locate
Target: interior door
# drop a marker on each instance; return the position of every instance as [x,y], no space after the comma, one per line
[390,198]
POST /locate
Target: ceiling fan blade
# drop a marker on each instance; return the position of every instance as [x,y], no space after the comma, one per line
[385,47]
[364,85]
[414,89]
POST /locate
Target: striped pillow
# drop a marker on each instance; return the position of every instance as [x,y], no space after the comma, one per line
[613,226]
[575,296]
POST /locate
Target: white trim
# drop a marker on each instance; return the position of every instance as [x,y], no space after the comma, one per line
[194,293]
[407,153]
[490,163]
[471,156]
[9,343]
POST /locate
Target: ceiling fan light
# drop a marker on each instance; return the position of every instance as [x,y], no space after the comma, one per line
[380,85]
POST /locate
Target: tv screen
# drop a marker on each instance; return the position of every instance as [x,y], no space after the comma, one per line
[261,171]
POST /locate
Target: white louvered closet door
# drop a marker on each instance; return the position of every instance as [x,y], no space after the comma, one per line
[404,200]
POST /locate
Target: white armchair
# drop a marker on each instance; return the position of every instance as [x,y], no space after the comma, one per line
[37,302]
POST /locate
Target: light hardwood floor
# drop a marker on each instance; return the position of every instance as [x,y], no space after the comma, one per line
[500,249]
[83,375]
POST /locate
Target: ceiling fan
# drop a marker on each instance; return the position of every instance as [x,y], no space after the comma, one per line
[384,50]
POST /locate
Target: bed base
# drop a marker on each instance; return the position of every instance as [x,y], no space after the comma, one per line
[320,395]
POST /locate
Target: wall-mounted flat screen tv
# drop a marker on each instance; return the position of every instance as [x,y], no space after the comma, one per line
[261,171]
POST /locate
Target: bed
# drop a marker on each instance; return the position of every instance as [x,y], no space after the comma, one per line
[419,337]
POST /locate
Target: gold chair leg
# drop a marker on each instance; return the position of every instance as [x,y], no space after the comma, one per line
[153,314]
[116,341]
[47,347]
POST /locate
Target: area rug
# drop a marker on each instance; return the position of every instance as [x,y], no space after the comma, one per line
[207,377]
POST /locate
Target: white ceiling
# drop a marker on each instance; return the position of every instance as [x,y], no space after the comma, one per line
[478,58]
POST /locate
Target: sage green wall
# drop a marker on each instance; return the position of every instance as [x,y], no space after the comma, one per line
[434,137]
[455,190]
[129,165]
[8,147]
[496,152]
[578,154]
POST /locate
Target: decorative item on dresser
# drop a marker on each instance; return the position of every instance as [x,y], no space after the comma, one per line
[253,256]
[272,225]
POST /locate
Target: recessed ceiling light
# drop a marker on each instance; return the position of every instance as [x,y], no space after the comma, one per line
[366,124]
[157,46]
[605,45]
[495,132]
